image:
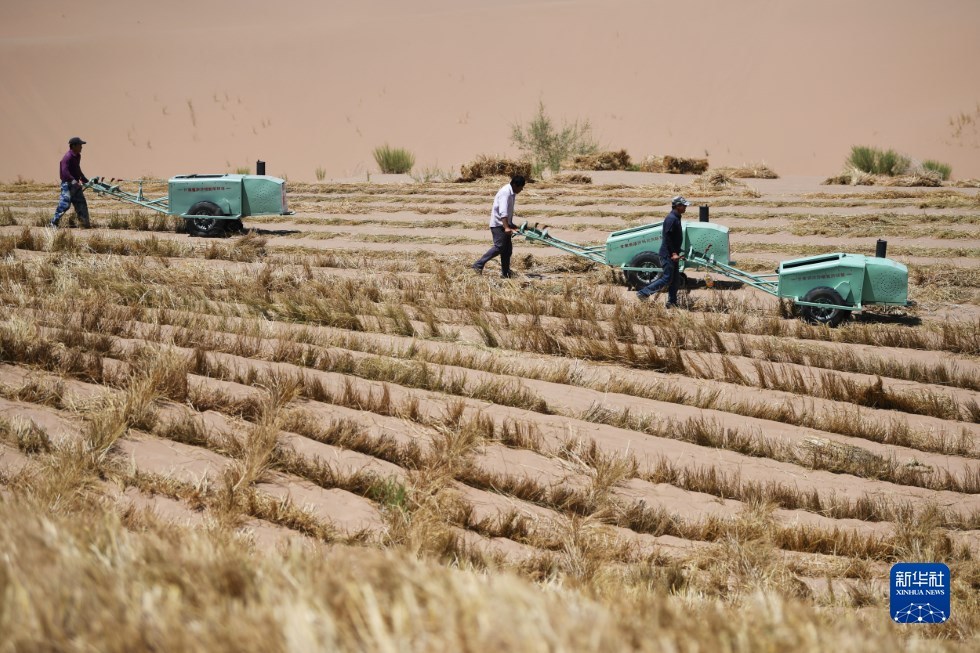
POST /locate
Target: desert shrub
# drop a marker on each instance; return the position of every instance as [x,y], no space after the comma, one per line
[547,146]
[610,160]
[944,170]
[491,166]
[893,164]
[243,170]
[675,165]
[862,158]
[878,162]
[393,160]
[321,173]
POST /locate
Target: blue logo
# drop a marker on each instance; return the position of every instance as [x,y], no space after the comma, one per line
[920,592]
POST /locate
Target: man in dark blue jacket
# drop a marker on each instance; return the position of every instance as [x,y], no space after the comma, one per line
[670,254]
[72,184]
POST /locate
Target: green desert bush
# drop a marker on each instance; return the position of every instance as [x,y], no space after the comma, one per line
[944,170]
[547,145]
[393,160]
[862,158]
[878,162]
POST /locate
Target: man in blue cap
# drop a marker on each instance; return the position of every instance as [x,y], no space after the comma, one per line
[72,184]
[670,254]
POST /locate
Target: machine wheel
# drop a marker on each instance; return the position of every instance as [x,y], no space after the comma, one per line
[830,316]
[205,226]
[637,280]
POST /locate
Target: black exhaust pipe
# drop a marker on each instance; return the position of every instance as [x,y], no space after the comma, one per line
[703,213]
[260,167]
[881,249]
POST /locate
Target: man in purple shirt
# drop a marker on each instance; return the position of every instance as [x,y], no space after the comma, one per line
[72,184]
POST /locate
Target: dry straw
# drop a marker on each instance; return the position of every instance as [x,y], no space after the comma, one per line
[854,177]
[750,171]
[492,166]
[610,160]
[675,165]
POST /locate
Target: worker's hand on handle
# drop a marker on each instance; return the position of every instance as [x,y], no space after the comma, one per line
[676,257]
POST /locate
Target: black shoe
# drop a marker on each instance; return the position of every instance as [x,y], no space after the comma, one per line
[672,305]
[506,275]
[643,298]
[477,269]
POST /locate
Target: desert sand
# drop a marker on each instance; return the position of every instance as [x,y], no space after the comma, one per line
[167,88]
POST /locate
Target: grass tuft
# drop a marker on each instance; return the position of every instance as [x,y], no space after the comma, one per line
[393,160]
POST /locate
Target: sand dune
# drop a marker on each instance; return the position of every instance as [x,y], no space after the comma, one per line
[162,89]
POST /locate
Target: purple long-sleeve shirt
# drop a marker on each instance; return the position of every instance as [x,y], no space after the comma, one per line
[71,168]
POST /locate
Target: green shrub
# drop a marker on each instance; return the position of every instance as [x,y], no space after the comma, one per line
[548,146]
[892,163]
[863,158]
[321,173]
[944,170]
[243,170]
[393,160]
[878,162]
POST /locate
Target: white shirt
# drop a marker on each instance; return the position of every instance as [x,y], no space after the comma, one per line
[503,206]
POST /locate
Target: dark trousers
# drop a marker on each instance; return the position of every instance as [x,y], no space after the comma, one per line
[502,246]
[71,195]
[671,279]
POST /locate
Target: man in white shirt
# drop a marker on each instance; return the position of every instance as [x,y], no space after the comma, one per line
[502,226]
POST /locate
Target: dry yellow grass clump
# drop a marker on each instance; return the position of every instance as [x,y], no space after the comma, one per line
[855,177]
[750,171]
[611,160]
[675,165]
[491,166]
